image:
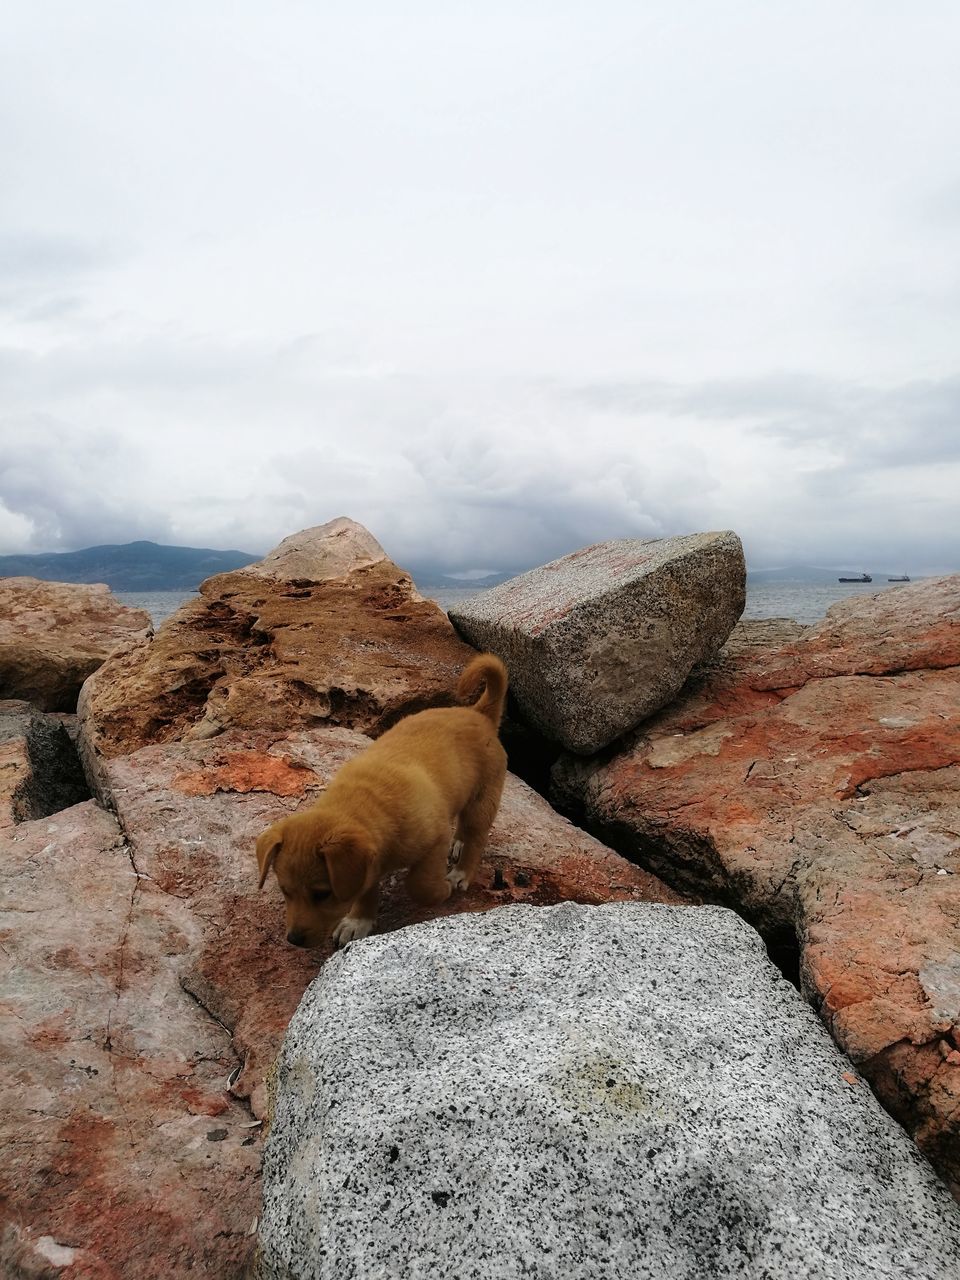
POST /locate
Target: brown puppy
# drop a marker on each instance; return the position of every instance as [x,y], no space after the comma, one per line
[434,777]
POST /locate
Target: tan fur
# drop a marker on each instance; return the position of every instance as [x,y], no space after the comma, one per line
[434,777]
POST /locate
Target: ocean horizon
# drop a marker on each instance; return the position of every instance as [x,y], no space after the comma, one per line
[805,602]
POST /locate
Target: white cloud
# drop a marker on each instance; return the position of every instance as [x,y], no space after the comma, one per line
[495,280]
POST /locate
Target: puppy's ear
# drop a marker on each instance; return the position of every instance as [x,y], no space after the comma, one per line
[348,860]
[268,846]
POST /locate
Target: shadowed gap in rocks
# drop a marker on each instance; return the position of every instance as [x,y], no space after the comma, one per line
[689,864]
[56,780]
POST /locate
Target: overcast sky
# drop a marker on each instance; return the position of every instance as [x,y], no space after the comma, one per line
[496,279]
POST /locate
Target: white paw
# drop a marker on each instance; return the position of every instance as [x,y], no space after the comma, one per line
[455,851]
[458,879]
[350,929]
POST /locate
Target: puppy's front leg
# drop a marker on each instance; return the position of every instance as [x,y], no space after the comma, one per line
[359,923]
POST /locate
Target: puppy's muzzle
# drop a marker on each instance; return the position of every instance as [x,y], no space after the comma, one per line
[297,937]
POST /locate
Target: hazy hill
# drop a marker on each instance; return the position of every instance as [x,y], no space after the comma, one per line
[131,566]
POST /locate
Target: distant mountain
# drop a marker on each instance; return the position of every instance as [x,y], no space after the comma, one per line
[131,566]
[432,579]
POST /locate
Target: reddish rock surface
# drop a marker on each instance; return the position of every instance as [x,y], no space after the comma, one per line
[816,783]
[124,1154]
[141,968]
[324,630]
[193,811]
[54,634]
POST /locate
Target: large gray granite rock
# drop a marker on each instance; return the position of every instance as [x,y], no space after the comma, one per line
[603,638]
[629,1090]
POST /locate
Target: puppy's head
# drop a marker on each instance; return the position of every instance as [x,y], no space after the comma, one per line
[321,867]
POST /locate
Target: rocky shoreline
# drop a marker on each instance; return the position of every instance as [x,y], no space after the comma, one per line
[806,778]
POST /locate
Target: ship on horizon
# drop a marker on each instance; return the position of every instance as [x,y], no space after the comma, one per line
[900,578]
[863,577]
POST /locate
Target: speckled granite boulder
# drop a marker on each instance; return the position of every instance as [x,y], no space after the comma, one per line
[145,987]
[626,1090]
[601,639]
[814,780]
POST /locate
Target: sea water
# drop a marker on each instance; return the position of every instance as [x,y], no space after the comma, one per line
[806,602]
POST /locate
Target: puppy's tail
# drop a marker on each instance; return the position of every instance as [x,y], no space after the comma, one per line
[488,670]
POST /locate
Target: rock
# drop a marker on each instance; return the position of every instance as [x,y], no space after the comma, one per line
[193,812]
[324,630]
[142,972]
[332,550]
[54,634]
[603,638]
[627,1090]
[817,786]
[40,772]
[113,1078]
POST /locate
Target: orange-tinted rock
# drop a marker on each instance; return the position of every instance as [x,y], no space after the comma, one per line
[54,634]
[816,784]
[324,630]
[193,812]
[141,969]
[124,1153]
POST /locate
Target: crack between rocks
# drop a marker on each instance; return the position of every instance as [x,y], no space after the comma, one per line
[206,1009]
[121,946]
[241,1059]
[892,674]
[858,791]
[108,1038]
[108,1045]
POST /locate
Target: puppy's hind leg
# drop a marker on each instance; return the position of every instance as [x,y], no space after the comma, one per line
[473,829]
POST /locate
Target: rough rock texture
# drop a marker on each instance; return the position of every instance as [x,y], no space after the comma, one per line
[39,768]
[124,1154]
[142,972]
[599,640]
[628,1090]
[54,634]
[817,786]
[325,629]
[194,811]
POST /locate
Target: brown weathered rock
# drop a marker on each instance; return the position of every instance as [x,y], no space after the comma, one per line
[324,630]
[817,785]
[141,968]
[601,639]
[54,634]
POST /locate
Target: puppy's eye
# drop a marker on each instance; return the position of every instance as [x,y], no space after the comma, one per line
[320,895]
